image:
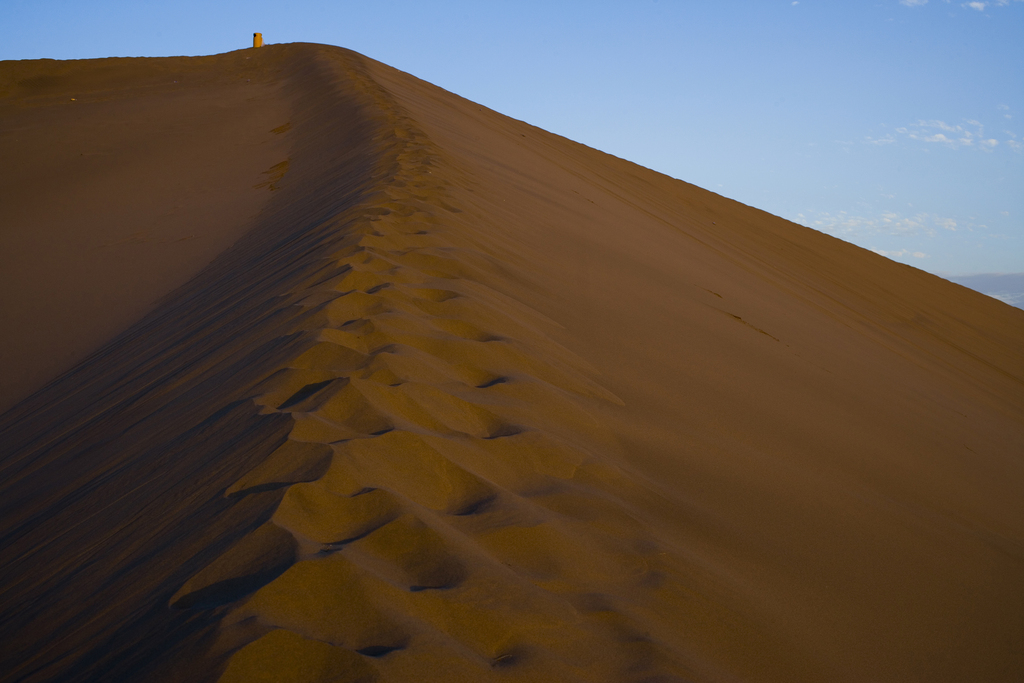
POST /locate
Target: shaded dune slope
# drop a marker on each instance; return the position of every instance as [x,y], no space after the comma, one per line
[472,402]
[122,179]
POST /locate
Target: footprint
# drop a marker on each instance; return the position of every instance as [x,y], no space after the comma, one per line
[332,358]
[313,511]
[459,415]
[293,462]
[414,554]
[410,467]
[463,329]
[305,392]
[329,599]
[285,657]
[256,560]
[349,408]
[437,295]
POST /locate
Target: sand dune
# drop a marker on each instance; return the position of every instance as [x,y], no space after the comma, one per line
[457,399]
[122,179]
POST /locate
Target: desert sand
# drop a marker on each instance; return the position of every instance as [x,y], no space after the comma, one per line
[317,372]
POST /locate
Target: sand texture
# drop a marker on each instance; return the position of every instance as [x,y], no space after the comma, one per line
[436,396]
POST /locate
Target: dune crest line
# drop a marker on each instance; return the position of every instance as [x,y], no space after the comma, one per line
[121,462]
[468,401]
[428,456]
[448,521]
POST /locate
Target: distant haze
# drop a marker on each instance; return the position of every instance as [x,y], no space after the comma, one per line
[1005,287]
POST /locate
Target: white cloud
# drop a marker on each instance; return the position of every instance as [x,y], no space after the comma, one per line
[969,134]
[843,223]
[847,225]
[924,131]
[887,140]
[1016,145]
[899,253]
[981,6]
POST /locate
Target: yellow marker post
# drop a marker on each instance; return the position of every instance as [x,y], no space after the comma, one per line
[257,40]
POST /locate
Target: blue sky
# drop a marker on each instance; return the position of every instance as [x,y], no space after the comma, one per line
[895,125]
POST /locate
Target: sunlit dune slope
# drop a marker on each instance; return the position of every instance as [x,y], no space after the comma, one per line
[467,401]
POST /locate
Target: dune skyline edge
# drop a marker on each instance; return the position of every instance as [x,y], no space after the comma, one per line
[465,400]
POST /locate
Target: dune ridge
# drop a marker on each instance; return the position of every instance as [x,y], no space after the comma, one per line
[445,489]
[380,334]
[122,461]
[448,489]
[149,170]
[473,402]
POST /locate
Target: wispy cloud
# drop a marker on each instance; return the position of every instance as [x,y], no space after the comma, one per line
[844,224]
[944,133]
[887,140]
[969,134]
[980,6]
[899,253]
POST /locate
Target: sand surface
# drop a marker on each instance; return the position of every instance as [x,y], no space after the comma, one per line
[467,401]
[122,179]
